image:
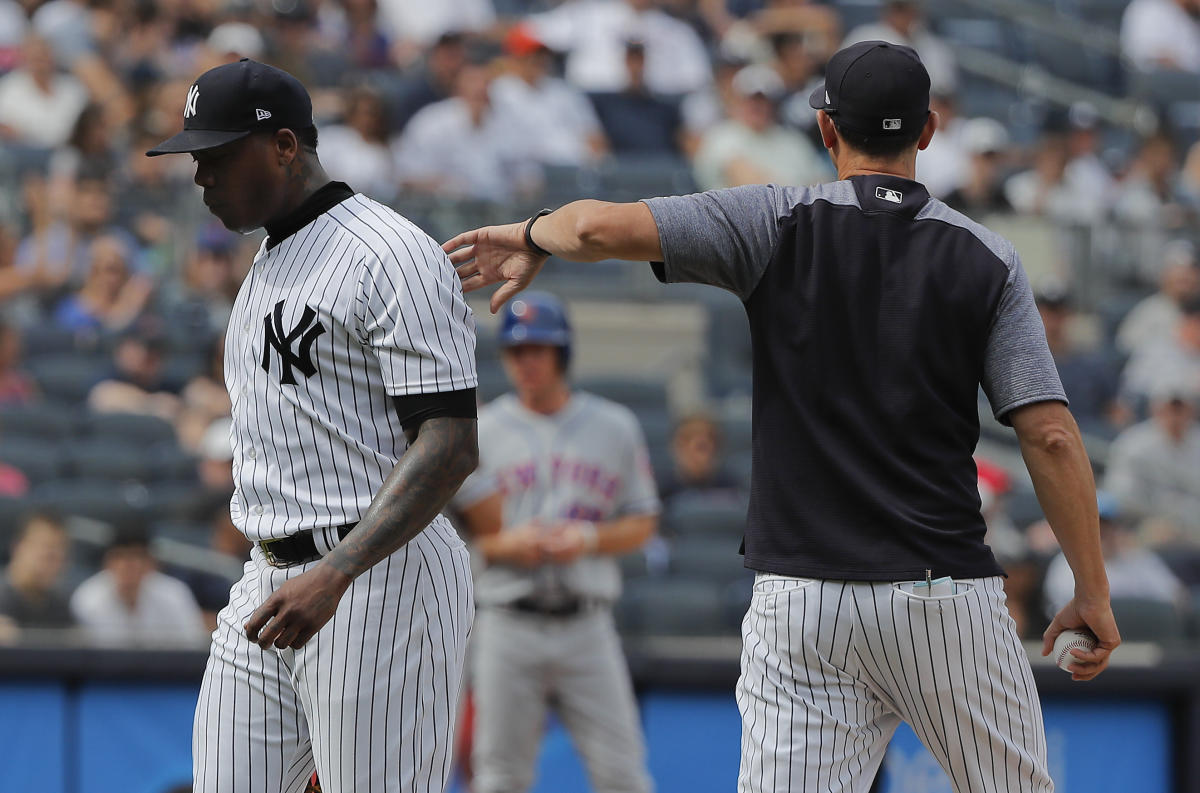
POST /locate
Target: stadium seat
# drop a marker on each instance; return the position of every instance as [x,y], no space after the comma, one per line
[656,424]
[99,500]
[132,428]
[11,512]
[673,607]
[39,459]
[736,429]
[109,458]
[171,462]
[692,515]
[715,560]
[1145,620]
[182,501]
[41,420]
[68,376]
[634,393]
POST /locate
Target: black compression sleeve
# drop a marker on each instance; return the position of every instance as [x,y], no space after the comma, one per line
[416,408]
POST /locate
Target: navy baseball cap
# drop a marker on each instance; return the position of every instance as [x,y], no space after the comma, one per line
[875,88]
[234,100]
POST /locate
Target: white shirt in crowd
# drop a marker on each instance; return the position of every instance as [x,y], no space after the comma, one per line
[1154,318]
[1158,31]
[41,118]
[166,611]
[1134,573]
[593,33]
[944,166]
[558,118]
[488,161]
[425,20]
[1150,474]
[366,166]
[784,155]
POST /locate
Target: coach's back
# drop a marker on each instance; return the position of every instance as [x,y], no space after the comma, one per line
[873,309]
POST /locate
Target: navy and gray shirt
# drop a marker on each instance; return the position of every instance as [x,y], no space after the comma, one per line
[875,312]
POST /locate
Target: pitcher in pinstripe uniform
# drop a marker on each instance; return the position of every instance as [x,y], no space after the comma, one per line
[350,363]
[876,312]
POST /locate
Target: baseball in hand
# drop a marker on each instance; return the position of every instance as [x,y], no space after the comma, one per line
[1068,640]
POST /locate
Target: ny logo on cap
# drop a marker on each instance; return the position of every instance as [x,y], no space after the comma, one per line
[891,124]
[262,115]
[189,106]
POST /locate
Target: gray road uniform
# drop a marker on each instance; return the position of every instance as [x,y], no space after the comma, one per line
[545,636]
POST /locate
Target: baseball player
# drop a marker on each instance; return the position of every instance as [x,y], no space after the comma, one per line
[349,360]
[577,492]
[876,312]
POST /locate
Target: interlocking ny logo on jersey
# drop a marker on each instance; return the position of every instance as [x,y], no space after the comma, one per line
[189,106]
[305,330]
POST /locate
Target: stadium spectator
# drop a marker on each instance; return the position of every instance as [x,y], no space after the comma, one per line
[16,386]
[697,468]
[13,27]
[903,22]
[561,125]
[1133,571]
[466,147]
[1154,467]
[1090,378]
[62,249]
[137,382]
[1085,169]
[366,45]
[702,110]
[817,24]
[111,298]
[944,163]
[152,197]
[231,41]
[636,120]
[981,193]
[593,34]
[89,149]
[205,401]
[414,24]
[1189,179]
[432,82]
[1162,34]
[201,299]
[215,463]
[356,151]
[1170,359]
[1147,195]
[753,147]
[1047,191]
[30,591]
[38,105]
[130,603]
[797,65]
[1156,316]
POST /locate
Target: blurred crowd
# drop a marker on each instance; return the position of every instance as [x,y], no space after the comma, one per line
[115,286]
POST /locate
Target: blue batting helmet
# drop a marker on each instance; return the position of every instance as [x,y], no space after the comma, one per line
[536,318]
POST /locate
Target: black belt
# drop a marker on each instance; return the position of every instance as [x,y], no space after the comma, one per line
[296,549]
[567,607]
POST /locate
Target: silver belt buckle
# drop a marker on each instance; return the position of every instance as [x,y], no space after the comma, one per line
[265,545]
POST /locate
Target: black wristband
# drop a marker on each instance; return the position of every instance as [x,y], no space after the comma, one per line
[529,243]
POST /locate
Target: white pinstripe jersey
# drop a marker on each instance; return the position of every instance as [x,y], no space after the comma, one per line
[356,307]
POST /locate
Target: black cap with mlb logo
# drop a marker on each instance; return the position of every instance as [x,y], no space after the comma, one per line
[875,88]
[235,100]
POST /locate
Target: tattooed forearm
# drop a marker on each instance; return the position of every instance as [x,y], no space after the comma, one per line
[443,453]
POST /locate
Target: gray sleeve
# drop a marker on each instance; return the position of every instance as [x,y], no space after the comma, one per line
[1018,368]
[722,237]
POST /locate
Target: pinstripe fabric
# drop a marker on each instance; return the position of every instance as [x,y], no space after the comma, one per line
[352,309]
[830,668]
[313,452]
[369,702]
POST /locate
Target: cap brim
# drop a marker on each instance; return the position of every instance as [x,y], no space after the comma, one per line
[816,99]
[196,140]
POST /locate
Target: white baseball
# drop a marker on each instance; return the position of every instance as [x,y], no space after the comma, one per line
[1068,640]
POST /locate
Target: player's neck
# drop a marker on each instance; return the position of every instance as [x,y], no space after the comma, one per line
[305,177]
[547,402]
[853,163]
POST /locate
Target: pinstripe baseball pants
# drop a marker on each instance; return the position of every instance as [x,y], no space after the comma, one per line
[369,702]
[830,668]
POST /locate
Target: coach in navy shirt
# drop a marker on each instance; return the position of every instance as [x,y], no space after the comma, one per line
[876,314]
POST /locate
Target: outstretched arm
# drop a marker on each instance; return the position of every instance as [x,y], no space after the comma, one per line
[582,231]
[1062,477]
[442,452]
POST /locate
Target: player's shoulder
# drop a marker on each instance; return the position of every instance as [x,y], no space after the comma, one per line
[605,411]
[998,245]
[379,231]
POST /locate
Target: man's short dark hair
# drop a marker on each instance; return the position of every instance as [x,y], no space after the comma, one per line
[879,146]
[307,137]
